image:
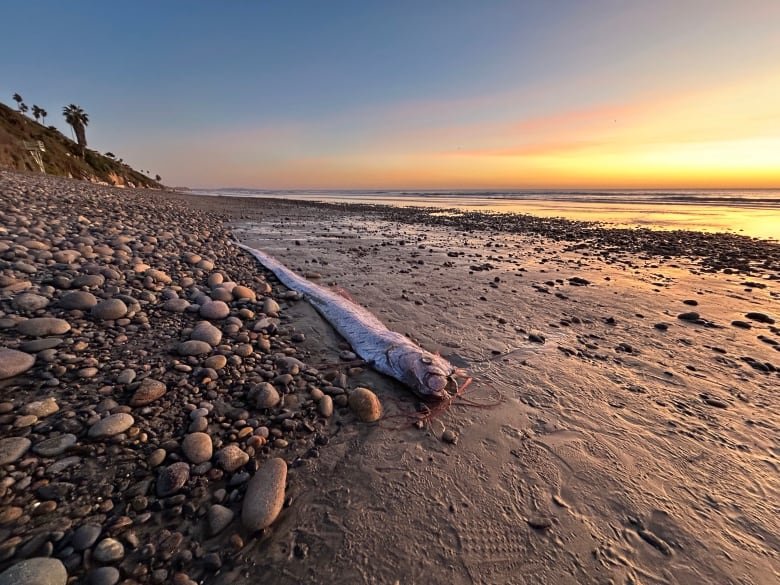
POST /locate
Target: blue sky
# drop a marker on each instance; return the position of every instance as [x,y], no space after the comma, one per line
[382,94]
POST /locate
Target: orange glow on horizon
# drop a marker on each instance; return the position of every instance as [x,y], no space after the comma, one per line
[726,136]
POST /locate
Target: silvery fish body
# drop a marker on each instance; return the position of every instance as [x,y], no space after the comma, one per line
[389,352]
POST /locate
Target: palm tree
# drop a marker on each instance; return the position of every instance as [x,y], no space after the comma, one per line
[18,99]
[43,114]
[23,108]
[36,112]
[78,120]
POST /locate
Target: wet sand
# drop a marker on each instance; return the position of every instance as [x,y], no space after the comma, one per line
[616,441]
[621,426]
[753,214]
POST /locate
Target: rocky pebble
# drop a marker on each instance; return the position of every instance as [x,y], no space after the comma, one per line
[243,292]
[205,331]
[176,305]
[13,362]
[215,362]
[219,518]
[54,446]
[760,317]
[42,326]
[30,302]
[85,536]
[13,448]
[193,347]
[41,408]
[231,458]
[111,425]
[103,576]
[35,571]
[148,391]
[150,376]
[264,495]
[266,396]
[110,309]
[215,310]
[325,406]
[79,300]
[365,404]
[109,550]
[172,479]
[197,447]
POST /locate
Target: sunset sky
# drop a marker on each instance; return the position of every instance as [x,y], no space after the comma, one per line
[449,94]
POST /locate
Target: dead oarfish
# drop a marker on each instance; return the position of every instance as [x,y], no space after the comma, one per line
[430,376]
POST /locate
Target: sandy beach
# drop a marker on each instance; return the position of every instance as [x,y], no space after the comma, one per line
[621,426]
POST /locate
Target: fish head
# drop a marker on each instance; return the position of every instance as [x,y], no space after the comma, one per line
[433,377]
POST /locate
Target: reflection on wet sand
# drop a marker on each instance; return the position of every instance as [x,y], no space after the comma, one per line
[753,214]
[757,222]
[619,427]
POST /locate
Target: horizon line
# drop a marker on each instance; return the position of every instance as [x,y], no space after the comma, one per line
[486,189]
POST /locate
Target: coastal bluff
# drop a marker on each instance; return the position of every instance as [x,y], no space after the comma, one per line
[61,156]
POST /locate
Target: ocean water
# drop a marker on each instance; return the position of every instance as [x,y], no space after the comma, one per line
[754,213]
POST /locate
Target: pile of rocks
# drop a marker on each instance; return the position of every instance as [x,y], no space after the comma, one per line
[149,388]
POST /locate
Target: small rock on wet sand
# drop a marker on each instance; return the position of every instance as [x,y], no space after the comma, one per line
[691,316]
[325,406]
[266,396]
[760,317]
[219,517]
[264,495]
[365,405]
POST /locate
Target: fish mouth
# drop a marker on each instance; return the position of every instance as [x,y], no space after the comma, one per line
[450,389]
[452,386]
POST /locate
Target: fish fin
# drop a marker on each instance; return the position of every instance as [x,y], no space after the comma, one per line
[342,293]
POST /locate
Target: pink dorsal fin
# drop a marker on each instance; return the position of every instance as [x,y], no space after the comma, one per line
[342,293]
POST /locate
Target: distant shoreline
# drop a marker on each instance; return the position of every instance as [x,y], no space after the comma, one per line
[702,211]
[715,249]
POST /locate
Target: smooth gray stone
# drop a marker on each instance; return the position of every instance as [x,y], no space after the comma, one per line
[43,326]
[78,299]
[111,425]
[13,363]
[264,495]
[13,448]
[36,571]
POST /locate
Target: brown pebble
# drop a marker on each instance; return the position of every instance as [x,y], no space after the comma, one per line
[365,404]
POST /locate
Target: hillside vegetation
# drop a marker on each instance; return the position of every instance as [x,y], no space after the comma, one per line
[62,156]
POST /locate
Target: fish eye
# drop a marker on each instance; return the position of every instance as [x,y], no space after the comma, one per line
[436,382]
[426,360]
